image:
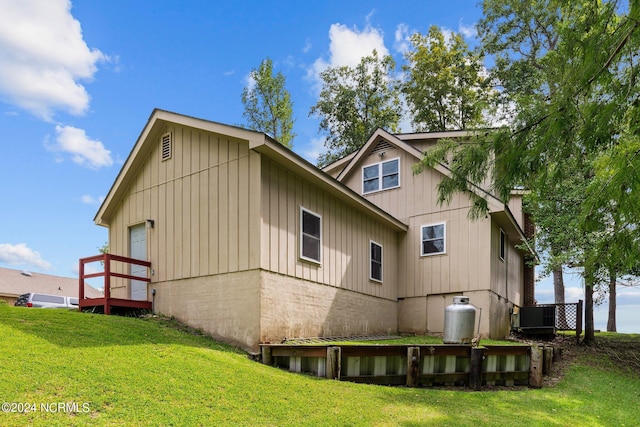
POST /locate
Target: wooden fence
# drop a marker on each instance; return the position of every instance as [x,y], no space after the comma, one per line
[416,365]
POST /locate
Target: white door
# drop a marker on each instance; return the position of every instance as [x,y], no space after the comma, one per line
[138,250]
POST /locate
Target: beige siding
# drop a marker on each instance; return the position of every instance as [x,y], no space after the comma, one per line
[515,206]
[470,266]
[346,233]
[204,201]
[507,273]
[465,266]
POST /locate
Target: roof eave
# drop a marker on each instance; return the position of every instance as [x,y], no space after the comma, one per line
[155,122]
[287,158]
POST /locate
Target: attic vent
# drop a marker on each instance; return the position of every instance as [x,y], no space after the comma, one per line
[382,146]
[166,146]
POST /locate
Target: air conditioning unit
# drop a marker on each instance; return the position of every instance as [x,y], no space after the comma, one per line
[539,319]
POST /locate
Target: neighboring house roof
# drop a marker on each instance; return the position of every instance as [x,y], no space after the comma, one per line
[14,283]
[259,142]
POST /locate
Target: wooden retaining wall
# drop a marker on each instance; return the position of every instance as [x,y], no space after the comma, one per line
[416,365]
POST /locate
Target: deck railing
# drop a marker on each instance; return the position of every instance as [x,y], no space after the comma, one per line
[108,273]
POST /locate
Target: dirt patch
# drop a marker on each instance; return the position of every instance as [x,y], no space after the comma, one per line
[608,352]
[615,353]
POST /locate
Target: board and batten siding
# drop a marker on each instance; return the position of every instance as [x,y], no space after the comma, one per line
[507,273]
[346,234]
[465,266]
[204,202]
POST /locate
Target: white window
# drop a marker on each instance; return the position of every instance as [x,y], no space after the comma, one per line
[375,270]
[310,236]
[381,176]
[433,239]
[502,244]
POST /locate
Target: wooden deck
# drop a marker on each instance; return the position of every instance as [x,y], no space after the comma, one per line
[108,304]
[113,305]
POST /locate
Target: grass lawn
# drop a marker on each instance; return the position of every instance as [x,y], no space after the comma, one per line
[108,370]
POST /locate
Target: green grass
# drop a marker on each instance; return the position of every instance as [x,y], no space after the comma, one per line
[138,372]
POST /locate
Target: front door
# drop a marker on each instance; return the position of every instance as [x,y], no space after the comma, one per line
[138,250]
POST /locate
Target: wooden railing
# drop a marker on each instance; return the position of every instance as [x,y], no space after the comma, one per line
[107,301]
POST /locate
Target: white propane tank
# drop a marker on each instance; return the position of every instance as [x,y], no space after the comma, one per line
[459,321]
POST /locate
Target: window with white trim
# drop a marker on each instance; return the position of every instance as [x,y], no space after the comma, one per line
[375,269]
[381,176]
[310,236]
[433,239]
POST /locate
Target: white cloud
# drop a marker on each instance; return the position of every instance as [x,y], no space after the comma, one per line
[249,82]
[347,47]
[20,254]
[447,34]
[43,57]
[90,200]
[312,150]
[84,151]
[307,46]
[468,32]
[402,38]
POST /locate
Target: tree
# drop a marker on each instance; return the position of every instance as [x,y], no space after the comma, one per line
[446,86]
[569,70]
[555,206]
[616,217]
[354,102]
[267,104]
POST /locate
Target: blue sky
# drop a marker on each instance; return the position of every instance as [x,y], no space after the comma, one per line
[78,81]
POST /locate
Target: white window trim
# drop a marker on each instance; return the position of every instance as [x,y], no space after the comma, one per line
[379,164]
[502,245]
[371,262]
[444,239]
[302,256]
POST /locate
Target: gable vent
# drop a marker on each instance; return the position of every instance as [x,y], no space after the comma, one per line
[382,146]
[166,146]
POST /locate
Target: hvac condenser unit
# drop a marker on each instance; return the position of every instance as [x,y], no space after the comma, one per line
[538,319]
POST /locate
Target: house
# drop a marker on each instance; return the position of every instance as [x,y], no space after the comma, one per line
[251,243]
[14,283]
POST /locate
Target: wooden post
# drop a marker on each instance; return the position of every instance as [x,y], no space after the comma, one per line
[578,321]
[107,284]
[266,355]
[333,363]
[547,354]
[475,368]
[535,369]
[81,284]
[413,366]
[557,354]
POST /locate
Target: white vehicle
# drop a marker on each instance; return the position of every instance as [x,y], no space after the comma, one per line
[33,299]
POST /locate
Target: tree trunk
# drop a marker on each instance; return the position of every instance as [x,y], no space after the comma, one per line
[611,320]
[558,292]
[589,327]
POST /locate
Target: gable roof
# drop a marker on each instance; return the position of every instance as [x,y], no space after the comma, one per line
[381,135]
[14,283]
[144,144]
[258,142]
[497,207]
